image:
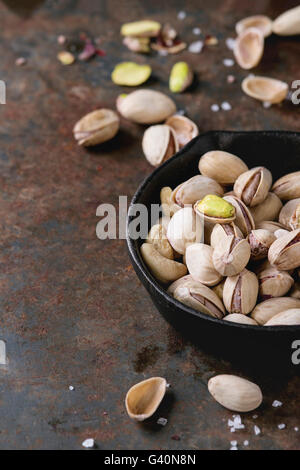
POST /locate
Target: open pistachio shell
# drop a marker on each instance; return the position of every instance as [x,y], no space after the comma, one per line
[184,128]
[194,189]
[215,209]
[144,28]
[159,144]
[181,77]
[240,292]
[252,187]
[270,225]
[261,22]
[231,256]
[288,187]
[240,318]
[201,298]
[260,242]
[221,166]
[264,311]
[163,269]
[288,317]
[130,74]
[143,399]
[268,209]
[221,231]
[184,229]
[243,218]
[200,265]
[96,127]
[284,253]
[274,283]
[290,214]
[249,48]
[288,23]
[158,237]
[265,89]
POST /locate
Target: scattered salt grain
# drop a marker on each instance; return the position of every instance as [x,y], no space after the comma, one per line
[230,43]
[255,416]
[228,62]
[181,15]
[197,31]
[226,106]
[71,387]
[296,429]
[233,443]
[267,104]
[180,112]
[162,421]
[215,108]
[246,443]
[281,426]
[20,61]
[256,430]
[276,403]
[196,47]
[168,385]
[88,443]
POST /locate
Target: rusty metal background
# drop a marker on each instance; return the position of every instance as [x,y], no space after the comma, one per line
[72,309]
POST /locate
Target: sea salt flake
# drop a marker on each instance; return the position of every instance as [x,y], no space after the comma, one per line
[296,429]
[233,443]
[71,387]
[257,430]
[255,416]
[228,62]
[196,31]
[215,108]
[281,426]
[246,443]
[196,47]
[162,421]
[181,15]
[267,104]
[88,443]
[226,106]
[230,43]
[276,403]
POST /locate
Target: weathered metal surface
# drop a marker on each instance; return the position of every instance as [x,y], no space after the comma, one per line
[72,309]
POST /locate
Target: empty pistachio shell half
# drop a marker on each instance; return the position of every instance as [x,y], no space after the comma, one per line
[194,189]
[159,144]
[143,399]
[145,106]
[200,264]
[184,281]
[260,242]
[274,283]
[235,393]
[243,219]
[137,44]
[290,214]
[158,237]
[96,127]
[288,187]
[249,48]
[240,292]
[184,229]
[221,166]
[268,209]
[252,187]
[215,209]
[288,317]
[130,74]
[144,28]
[163,269]
[239,318]
[221,231]
[270,225]
[284,253]
[265,89]
[261,22]
[184,128]
[288,23]
[267,309]
[181,77]
[231,256]
[201,298]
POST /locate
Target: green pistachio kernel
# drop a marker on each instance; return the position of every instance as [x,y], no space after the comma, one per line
[130,74]
[144,28]
[214,206]
[180,77]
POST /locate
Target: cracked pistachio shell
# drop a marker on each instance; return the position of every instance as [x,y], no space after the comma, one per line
[144,28]
[130,74]
[252,187]
[288,23]
[265,89]
[200,264]
[221,231]
[231,256]
[184,281]
[240,292]
[235,393]
[261,22]
[284,253]
[249,48]
[202,299]
[290,214]
[163,269]
[288,187]
[221,166]
[239,318]
[267,309]
[260,242]
[96,127]
[158,237]
[184,229]
[181,77]
[269,209]
[274,283]
[159,144]
[168,207]
[195,188]
[143,399]
[145,106]
[184,128]
[215,209]
[243,219]
[288,317]
[270,225]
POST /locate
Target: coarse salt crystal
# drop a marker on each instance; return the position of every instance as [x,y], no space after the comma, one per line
[267,104]
[196,31]
[71,387]
[196,47]
[256,430]
[232,429]
[246,443]
[276,403]
[228,62]
[255,416]
[281,426]
[162,421]
[88,443]
[226,106]
[233,443]
[230,43]
[181,15]
[296,429]
[215,108]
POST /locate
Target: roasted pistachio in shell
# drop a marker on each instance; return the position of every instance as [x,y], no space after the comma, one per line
[290,214]
[163,269]
[288,23]
[243,219]
[181,77]
[218,289]
[268,210]
[260,242]
[267,309]
[158,237]
[200,264]
[143,28]
[231,256]
[223,167]
[168,207]
[185,129]
[201,298]
[184,229]
[215,209]
[274,283]
[270,225]
[143,399]
[288,317]
[249,48]
[288,187]
[284,253]
[239,318]
[96,127]
[194,189]
[159,144]
[240,292]
[221,231]
[252,187]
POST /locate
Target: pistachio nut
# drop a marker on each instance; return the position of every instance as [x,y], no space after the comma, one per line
[280,232]
[240,292]
[137,44]
[288,187]
[295,291]
[267,309]
[159,144]
[202,299]
[221,166]
[195,188]
[143,399]
[144,28]
[288,23]
[181,77]
[218,289]
[267,210]
[184,229]
[231,255]
[243,217]
[184,281]
[163,269]
[235,393]
[184,128]
[288,317]
[221,231]
[290,214]
[130,74]
[260,242]
[284,253]
[239,318]
[200,264]
[215,209]
[164,221]
[168,207]
[265,89]
[274,283]
[270,225]
[158,237]
[261,22]
[252,187]
[249,48]
[96,127]
[145,106]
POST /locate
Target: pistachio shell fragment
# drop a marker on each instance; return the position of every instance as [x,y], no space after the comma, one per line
[290,214]
[200,264]
[274,283]
[221,166]
[201,298]
[181,77]
[267,309]
[96,127]
[239,318]
[240,292]
[243,218]
[249,48]
[261,22]
[215,209]
[220,233]
[184,128]
[288,23]
[163,269]
[288,187]
[260,242]
[159,144]
[145,106]
[235,393]
[265,89]
[143,399]
[284,253]
[158,237]
[268,209]
[252,187]
[144,28]
[231,256]
[184,229]
[194,189]
[130,74]
[288,317]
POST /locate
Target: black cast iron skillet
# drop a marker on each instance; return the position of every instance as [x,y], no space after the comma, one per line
[279,151]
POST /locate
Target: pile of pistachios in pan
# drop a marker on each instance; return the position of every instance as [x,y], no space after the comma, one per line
[228,243]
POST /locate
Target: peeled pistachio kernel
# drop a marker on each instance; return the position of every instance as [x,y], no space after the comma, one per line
[163,269]
[288,317]
[194,189]
[66,58]
[288,187]
[239,318]
[181,77]
[240,292]
[130,74]
[157,236]
[215,209]
[96,127]
[243,218]
[290,214]
[144,28]
[221,166]
[201,298]
[184,128]
[268,209]
[252,187]
[267,309]
[143,399]
[235,393]
[159,144]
